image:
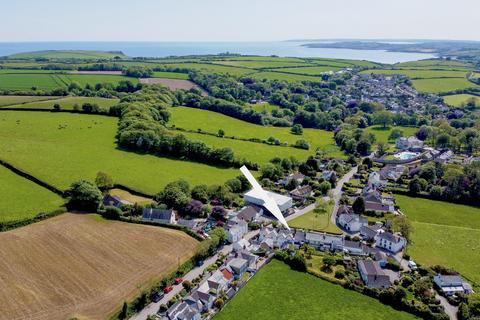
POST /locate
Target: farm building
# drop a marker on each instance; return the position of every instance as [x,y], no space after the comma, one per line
[159,215]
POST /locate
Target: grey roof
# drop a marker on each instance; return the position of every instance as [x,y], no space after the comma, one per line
[248,213]
[449,280]
[157,214]
[390,237]
[368,231]
[376,278]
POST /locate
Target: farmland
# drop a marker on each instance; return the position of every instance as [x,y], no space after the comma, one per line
[297,295]
[15,100]
[235,71]
[172,84]
[96,264]
[22,198]
[420,74]
[67,103]
[170,75]
[436,64]
[314,71]
[289,77]
[67,54]
[442,85]
[62,148]
[457,100]
[262,64]
[208,121]
[444,233]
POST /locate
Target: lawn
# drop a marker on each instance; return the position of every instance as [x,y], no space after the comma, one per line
[67,54]
[15,100]
[442,85]
[209,121]
[67,103]
[457,100]
[61,148]
[318,221]
[270,75]
[23,199]
[382,134]
[444,233]
[277,292]
[171,75]
[81,266]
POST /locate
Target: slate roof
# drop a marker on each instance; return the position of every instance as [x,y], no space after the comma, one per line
[157,214]
[248,213]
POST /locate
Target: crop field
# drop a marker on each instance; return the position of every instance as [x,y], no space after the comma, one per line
[96,264]
[43,81]
[172,84]
[3,71]
[420,74]
[67,103]
[171,75]
[61,148]
[16,100]
[289,77]
[318,221]
[457,100]
[301,296]
[67,54]
[22,199]
[310,70]
[382,134]
[444,233]
[442,85]
[209,121]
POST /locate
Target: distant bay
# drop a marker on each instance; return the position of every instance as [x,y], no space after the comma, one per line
[165,49]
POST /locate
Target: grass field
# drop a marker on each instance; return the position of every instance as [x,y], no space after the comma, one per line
[420,74]
[457,100]
[15,100]
[261,107]
[22,199]
[436,64]
[44,81]
[270,75]
[67,54]
[234,71]
[262,64]
[444,233]
[171,75]
[62,148]
[83,266]
[130,197]
[208,121]
[442,85]
[382,134]
[67,103]
[279,293]
[314,71]
[316,221]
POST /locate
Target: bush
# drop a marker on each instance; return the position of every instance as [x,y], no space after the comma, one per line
[339,274]
[111,213]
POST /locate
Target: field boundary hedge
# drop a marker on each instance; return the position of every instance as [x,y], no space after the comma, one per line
[133,191]
[10,225]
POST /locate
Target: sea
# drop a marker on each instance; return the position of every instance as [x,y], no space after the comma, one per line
[166,49]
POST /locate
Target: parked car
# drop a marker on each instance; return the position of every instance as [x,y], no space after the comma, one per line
[168,289]
[412,265]
[158,296]
[178,280]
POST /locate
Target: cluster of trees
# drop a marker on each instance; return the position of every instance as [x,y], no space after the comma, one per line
[138,72]
[354,140]
[469,308]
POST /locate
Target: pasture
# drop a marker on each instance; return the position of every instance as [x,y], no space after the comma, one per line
[313,71]
[61,148]
[23,199]
[67,103]
[262,64]
[444,233]
[288,77]
[171,75]
[442,85]
[172,84]
[297,295]
[457,100]
[16,100]
[437,64]
[67,54]
[420,74]
[209,121]
[97,264]
[208,67]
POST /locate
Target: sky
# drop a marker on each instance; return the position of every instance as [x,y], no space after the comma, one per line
[239,20]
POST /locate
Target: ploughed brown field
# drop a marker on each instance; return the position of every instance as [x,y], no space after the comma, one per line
[172,84]
[82,266]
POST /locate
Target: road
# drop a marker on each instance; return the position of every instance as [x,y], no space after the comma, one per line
[337,192]
[449,309]
[152,308]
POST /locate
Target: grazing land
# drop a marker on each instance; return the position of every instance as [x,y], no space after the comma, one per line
[314,71]
[23,199]
[209,121]
[171,75]
[289,77]
[208,67]
[297,295]
[263,107]
[444,233]
[82,266]
[15,100]
[318,221]
[437,64]
[61,148]
[261,64]
[382,134]
[130,197]
[67,54]
[442,85]
[420,74]
[457,100]
[67,103]
[172,84]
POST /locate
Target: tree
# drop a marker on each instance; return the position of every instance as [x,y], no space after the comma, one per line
[221,133]
[200,193]
[220,233]
[112,213]
[187,285]
[84,195]
[302,144]
[395,134]
[175,195]
[324,187]
[414,186]
[328,262]
[57,107]
[382,148]
[219,213]
[103,181]
[383,118]
[402,224]
[124,313]
[297,129]
[194,208]
[359,205]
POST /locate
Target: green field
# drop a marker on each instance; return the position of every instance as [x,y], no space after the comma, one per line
[289,77]
[67,103]
[43,81]
[260,64]
[420,74]
[382,134]
[61,148]
[67,54]
[262,58]
[208,121]
[436,64]
[279,293]
[214,68]
[316,221]
[444,233]
[457,100]
[261,107]
[171,75]
[15,100]
[442,85]
[314,71]
[22,199]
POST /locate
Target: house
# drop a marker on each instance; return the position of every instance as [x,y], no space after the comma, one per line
[238,266]
[372,275]
[375,179]
[236,231]
[351,222]
[182,310]
[217,282]
[251,258]
[392,172]
[452,284]
[115,201]
[354,248]
[381,258]
[279,239]
[158,215]
[299,237]
[283,202]
[301,193]
[410,143]
[391,242]
[250,213]
[445,157]
[374,201]
[240,245]
[189,223]
[370,232]
[327,175]
[324,241]
[298,177]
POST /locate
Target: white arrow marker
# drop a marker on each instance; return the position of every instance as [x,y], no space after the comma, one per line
[268,202]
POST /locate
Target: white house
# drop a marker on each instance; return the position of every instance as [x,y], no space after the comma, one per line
[237,231]
[240,245]
[324,241]
[410,143]
[391,242]
[351,222]
[283,202]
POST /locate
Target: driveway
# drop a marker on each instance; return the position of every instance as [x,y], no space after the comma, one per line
[152,308]
[337,192]
[449,309]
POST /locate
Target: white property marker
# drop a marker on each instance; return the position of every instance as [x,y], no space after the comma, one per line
[268,202]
